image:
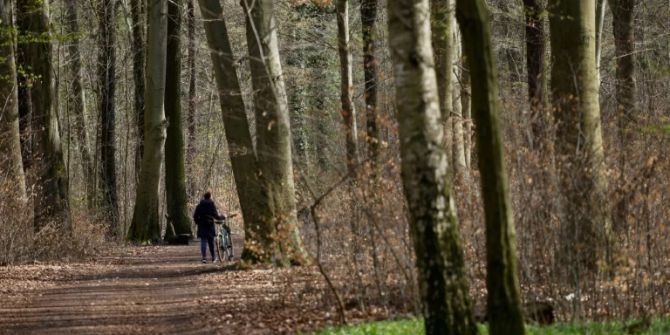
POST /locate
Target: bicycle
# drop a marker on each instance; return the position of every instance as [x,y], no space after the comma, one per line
[224,240]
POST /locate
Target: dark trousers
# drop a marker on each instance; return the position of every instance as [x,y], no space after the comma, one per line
[204,241]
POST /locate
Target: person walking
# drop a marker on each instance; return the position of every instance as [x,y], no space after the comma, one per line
[203,216]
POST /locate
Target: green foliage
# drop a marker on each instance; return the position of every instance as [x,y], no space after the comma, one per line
[415,326]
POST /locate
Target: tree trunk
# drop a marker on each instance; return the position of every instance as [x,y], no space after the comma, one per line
[77,101]
[13,180]
[137,8]
[145,226]
[623,12]
[107,88]
[624,45]
[368,20]
[175,178]
[459,160]
[466,98]
[535,50]
[273,133]
[51,204]
[504,302]
[348,111]
[601,8]
[443,46]
[252,196]
[433,223]
[579,143]
[192,96]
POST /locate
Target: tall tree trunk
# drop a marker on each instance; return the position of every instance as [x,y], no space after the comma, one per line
[579,143]
[623,15]
[175,178]
[145,226]
[368,20]
[107,88]
[433,223]
[348,111]
[51,204]
[466,97]
[504,302]
[623,12]
[273,133]
[13,180]
[137,10]
[192,95]
[458,141]
[601,9]
[253,198]
[77,101]
[443,46]
[25,106]
[535,63]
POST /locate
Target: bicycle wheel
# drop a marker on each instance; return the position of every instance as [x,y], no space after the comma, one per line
[228,246]
[220,247]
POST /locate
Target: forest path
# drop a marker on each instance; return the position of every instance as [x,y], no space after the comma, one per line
[159,290]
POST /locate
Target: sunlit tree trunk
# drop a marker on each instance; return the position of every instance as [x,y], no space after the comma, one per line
[107,89]
[459,160]
[579,143]
[137,9]
[252,196]
[466,97]
[348,111]
[77,101]
[368,20]
[175,178]
[433,223]
[601,9]
[145,226]
[503,299]
[51,204]
[13,179]
[273,133]
[443,46]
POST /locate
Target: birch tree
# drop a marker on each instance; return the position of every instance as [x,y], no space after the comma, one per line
[433,222]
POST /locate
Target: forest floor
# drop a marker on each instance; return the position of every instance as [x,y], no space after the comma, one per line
[158,290]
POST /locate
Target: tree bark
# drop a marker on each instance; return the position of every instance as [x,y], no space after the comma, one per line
[348,111]
[624,44]
[535,63]
[443,46]
[466,97]
[192,95]
[107,90]
[579,143]
[145,226]
[253,198]
[433,223]
[601,8]
[77,101]
[273,133]
[368,20]
[504,302]
[459,161]
[175,178]
[137,10]
[51,206]
[13,180]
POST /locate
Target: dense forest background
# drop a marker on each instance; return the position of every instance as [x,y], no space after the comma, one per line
[589,251]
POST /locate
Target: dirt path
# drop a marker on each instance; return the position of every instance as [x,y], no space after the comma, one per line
[158,290]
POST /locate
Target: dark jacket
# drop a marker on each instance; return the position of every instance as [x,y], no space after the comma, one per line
[203,217]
